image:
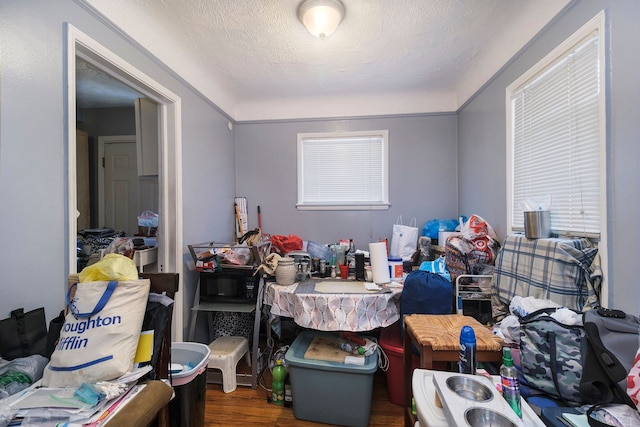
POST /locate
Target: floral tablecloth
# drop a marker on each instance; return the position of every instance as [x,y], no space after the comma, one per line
[355,312]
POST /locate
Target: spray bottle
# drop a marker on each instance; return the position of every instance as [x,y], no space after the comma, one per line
[467,364]
[509,379]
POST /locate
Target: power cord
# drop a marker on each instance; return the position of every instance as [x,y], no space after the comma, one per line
[383,360]
[272,357]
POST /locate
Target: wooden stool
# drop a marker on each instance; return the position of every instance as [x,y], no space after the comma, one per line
[225,355]
[437,338]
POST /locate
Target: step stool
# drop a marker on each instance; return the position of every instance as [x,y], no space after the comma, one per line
[225,355]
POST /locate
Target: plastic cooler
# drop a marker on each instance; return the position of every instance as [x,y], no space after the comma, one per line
[391,343]
[189,384]
[329,392]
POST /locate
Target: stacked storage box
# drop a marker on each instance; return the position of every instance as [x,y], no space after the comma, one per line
[329,392]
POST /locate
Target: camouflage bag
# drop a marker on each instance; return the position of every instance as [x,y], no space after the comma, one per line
[552,356]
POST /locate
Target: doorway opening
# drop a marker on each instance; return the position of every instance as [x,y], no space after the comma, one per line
[170,240]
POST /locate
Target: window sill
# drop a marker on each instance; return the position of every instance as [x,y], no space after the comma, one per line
[345,207]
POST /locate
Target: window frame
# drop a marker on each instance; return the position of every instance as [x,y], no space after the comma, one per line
[303,204]
[597,24]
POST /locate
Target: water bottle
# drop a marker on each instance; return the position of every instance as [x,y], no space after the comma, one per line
[278,374]
[509,380]
[467,364]
[352,348]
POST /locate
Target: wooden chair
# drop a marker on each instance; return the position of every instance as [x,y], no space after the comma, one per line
[164,283]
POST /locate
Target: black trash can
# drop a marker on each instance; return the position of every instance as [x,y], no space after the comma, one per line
[186,409]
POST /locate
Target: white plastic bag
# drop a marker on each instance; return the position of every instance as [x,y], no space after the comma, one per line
[148,219]
[404,240]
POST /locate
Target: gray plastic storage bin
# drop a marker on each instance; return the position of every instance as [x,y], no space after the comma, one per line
[329,392]
[186,409]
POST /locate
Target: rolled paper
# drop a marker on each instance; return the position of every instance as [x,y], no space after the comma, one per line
[379,262]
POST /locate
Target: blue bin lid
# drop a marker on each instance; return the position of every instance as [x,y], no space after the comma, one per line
[295,357]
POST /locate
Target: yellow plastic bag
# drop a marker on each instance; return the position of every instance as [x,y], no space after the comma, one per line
[110,267]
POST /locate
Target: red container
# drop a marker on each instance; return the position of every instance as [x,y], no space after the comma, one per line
[391,343]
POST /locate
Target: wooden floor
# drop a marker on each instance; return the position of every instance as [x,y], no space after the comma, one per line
[248,407]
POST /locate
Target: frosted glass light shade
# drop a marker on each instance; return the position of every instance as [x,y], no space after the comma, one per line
[321,17]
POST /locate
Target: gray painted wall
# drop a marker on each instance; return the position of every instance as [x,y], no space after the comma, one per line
[482,139]
[422,177]
[33,152]
[108,121]
[428,155]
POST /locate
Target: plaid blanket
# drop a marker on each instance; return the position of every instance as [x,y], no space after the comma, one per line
[565,271]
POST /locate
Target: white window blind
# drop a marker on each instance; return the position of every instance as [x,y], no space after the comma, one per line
[557,137]
[343,171]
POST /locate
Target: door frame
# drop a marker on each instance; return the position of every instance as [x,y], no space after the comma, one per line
[170,248]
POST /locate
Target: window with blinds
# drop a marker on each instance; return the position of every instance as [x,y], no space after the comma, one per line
[556,136]
[343,171]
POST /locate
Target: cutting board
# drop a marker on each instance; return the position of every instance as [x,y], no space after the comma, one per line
[326,347]
[341,287]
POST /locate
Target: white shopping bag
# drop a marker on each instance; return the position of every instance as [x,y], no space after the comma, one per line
[99,338]
[404,240]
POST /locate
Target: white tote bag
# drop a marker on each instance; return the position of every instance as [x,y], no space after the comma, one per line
[100,334]
[404,240]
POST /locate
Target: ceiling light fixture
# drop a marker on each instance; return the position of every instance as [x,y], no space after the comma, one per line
[321,17]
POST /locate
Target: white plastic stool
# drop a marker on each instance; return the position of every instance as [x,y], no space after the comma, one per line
[225,355]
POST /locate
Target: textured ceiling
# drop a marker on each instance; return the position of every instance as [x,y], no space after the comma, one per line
[255,60]
[95,89]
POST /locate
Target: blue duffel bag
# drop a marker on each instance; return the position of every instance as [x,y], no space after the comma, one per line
[425,293]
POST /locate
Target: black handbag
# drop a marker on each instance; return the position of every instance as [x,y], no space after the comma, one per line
[613,343]
[55,326]
[23,334]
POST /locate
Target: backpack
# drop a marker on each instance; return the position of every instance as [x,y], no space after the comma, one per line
[425,293]
[612,346]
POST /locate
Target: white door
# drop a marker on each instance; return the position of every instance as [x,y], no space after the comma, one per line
[123,195]
[121,189]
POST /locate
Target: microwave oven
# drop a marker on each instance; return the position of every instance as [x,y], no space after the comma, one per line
[229,286]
